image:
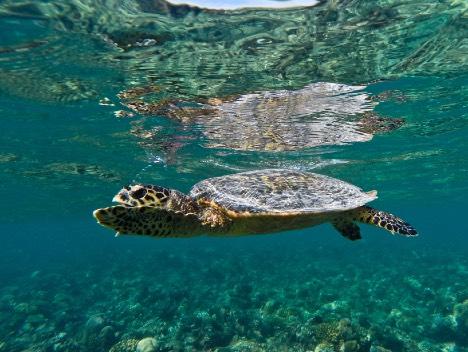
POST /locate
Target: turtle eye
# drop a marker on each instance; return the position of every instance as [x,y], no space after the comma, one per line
[139,193]
[123,196]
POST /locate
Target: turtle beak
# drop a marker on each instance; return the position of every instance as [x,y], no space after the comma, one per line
[107,216]
[110,217]
[101,215]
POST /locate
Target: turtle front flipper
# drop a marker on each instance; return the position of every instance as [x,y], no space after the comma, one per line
[382,219]
[149,221]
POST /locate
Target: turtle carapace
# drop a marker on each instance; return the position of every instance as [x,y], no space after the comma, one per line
[248,203]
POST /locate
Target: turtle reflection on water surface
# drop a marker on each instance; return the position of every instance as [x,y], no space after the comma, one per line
[254,202]
[318,114]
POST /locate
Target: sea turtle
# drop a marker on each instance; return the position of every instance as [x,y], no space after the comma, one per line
[318,114]
[252,202]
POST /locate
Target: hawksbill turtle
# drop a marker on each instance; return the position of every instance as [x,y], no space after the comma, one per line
[284,120]
[253,202]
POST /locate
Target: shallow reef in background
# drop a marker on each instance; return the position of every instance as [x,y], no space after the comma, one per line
[260,299]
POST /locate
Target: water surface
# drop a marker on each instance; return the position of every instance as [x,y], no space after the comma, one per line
[69,285]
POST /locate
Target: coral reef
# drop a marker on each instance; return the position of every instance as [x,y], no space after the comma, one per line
[226,300]
[148,344]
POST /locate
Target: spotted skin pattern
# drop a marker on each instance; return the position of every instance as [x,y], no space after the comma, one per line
[383,220]
[149,221]
[143,195]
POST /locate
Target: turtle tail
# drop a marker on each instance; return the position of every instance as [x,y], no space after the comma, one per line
[384,220]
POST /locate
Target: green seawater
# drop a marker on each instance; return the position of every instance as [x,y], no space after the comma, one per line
[67,284]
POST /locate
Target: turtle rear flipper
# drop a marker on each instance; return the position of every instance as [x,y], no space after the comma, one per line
[149,221]
[384,220]
[347,228]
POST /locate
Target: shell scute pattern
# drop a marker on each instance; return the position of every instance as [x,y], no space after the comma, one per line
[281,192]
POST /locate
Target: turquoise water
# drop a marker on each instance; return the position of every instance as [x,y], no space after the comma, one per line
[67,284]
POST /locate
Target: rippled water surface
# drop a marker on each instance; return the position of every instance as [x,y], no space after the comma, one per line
[96,95]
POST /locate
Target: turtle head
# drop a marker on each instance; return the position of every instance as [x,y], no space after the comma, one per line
[140,195]
[149,210]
